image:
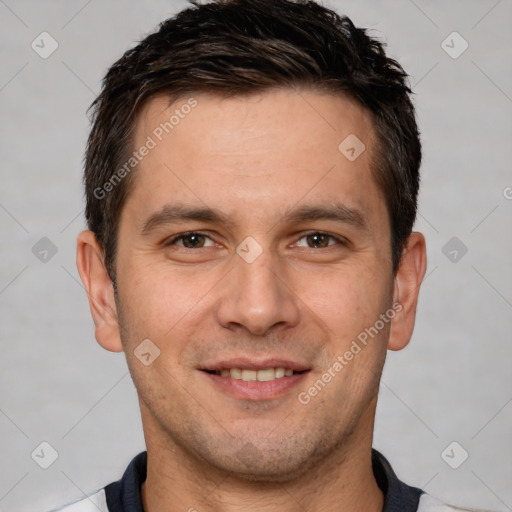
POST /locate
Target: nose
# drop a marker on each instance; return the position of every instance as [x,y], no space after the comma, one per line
[258,296]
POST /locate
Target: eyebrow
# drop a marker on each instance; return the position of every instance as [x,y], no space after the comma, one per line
[171,214]
[337,212]
[178,213]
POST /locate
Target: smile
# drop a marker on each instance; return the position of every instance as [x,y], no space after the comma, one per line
[247,375]
[256,381]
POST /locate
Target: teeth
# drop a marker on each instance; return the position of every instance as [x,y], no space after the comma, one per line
[249,375]
[264,375]
[235,373]
[280,372]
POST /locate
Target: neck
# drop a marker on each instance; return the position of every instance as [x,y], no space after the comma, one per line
[343,481]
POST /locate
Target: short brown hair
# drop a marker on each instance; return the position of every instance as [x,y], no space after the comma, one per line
[239,47]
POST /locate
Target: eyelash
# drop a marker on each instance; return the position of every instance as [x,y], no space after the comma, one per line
[173,240]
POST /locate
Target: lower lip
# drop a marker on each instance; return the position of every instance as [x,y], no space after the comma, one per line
[256,390]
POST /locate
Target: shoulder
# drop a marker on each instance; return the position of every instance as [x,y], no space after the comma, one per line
[429,504]
[96,502]
[122,494]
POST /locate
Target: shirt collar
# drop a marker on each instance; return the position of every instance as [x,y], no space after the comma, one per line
[399,497]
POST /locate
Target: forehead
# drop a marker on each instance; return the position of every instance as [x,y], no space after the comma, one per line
[255,153]
[259,121]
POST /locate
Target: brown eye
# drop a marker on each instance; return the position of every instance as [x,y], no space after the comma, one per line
[191,240]
[318,240]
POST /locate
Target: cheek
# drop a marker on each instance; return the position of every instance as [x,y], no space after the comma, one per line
[157,299]
[346,302]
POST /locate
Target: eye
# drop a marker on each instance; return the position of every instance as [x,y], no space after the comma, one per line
[197,240]
[319,240]
[191,240]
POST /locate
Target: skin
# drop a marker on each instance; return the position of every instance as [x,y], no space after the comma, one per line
[304,299]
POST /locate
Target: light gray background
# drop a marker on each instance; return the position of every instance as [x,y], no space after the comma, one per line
[451,384]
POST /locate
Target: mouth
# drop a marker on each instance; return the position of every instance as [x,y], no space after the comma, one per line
[246,380]
[250,375]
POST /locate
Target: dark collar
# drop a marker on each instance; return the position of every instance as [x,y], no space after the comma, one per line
[399,497]
[124,495]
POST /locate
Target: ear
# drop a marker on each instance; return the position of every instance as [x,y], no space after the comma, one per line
[406,290]
[100,291]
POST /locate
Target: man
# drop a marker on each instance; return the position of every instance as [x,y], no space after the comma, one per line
[251,180]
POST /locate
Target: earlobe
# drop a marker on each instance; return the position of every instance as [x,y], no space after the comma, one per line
[406,290]
[100,292]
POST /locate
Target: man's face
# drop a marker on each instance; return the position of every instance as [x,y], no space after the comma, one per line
[293,266]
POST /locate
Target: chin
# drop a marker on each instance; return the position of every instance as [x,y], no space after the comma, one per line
[266,464]
[267,472]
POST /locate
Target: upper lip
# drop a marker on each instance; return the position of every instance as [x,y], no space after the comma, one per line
[245,363]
